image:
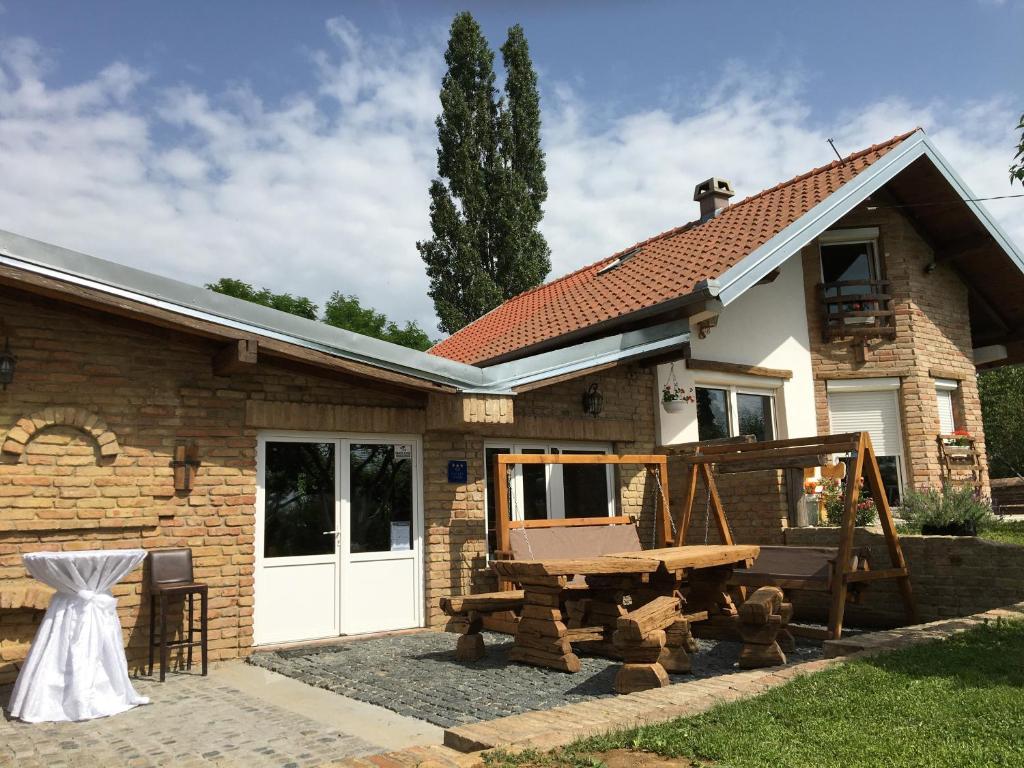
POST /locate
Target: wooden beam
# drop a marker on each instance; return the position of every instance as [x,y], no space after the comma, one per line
[564,377]
[738,368]
[236,357]
[674,356]
[962,246]
[145,313]
[583,458]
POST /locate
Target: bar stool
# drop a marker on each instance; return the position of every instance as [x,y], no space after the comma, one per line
[170,576]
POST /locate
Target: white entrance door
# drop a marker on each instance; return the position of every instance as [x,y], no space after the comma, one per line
[338,536]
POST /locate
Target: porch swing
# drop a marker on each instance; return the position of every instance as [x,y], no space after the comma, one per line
[840,571]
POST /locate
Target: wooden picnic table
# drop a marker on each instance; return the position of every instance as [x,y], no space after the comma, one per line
[613,587]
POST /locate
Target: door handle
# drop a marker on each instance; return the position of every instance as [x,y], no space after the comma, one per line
[331,533]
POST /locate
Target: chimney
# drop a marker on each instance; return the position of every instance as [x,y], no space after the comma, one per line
[713,196]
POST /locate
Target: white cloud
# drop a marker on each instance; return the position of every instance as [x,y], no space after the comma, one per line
[327,190]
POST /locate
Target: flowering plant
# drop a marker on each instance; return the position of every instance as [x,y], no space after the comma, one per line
[810,486]
[961,437]
[833,494]
[672,392]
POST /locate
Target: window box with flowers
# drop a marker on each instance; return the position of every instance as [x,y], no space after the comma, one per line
[958,446]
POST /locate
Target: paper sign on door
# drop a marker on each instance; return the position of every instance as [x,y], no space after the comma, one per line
[403,452]
[401,536]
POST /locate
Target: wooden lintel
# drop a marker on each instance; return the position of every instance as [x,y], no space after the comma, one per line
[738,368]
[873,373]
[946,373]
[674,356]
[235,357]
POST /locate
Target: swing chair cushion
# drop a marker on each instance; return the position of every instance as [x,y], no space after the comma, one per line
[569,542]
[808,568]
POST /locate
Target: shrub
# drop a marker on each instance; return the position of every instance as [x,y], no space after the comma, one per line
[949,506]
[832,493]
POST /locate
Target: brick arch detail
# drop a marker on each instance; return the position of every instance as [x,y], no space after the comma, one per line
[27,427]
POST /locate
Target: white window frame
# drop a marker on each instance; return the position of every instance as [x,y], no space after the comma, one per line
[733,389]
[867,235]
[553,477]
[944,389]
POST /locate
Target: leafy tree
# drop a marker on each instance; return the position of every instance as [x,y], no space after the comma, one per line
[295,305]
[1002,406]
[340,311]
[1017,167]
[486,205]
[346,312]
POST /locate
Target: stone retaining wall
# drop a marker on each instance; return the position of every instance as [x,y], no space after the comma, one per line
[951,576]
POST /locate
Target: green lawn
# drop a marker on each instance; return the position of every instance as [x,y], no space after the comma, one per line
[958,702]
[1011,532]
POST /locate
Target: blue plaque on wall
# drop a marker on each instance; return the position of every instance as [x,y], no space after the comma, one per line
[458,471]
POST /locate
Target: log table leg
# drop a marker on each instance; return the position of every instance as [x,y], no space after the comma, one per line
[641,669]
[759,625]
[470,646]
[679,644]
[541,637]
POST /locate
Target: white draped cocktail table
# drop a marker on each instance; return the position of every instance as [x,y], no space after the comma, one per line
[76,668]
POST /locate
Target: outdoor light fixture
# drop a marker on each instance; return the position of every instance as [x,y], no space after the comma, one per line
[7,361]
[593,401]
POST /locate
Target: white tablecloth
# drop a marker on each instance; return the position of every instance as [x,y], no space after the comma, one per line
[76,669]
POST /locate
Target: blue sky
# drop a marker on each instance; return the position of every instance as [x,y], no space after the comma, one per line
[291,143]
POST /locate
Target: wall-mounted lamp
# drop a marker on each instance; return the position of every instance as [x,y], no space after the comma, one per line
[7,363]
[593,401]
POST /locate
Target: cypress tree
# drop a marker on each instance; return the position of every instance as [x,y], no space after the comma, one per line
[485,207]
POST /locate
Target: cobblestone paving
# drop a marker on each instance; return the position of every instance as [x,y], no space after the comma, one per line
[193,721]
[417,676]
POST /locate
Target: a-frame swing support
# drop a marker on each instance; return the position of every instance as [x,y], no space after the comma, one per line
[808,452]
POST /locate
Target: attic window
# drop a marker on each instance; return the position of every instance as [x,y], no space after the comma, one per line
[615,263]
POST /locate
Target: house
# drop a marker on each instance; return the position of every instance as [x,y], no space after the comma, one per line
[332,484]
[859,295]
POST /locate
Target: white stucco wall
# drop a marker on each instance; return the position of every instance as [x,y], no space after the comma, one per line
[767,326]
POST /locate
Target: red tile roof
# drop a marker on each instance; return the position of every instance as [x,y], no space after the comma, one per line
[659,269]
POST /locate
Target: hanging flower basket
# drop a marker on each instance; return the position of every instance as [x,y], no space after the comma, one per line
[675,398]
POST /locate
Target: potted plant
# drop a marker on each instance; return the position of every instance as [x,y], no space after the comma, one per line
[807,511]
[674,398]
[949,512]
[833,494]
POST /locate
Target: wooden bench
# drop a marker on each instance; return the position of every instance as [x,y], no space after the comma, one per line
[466,618]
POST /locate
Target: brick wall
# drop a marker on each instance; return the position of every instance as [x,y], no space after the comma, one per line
[154,387]
[950,575]
[933,337]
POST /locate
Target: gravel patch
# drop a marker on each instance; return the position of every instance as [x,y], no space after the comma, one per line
[417,675]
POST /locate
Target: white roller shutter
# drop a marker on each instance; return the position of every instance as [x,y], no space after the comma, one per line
[876,412]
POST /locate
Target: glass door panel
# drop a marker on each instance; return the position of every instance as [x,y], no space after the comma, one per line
[585,488]
[300,500]
[381,499]
[535,488]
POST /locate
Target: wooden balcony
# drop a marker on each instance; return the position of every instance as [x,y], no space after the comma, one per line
[857,309]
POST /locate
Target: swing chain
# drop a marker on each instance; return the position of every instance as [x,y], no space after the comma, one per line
[664,500]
